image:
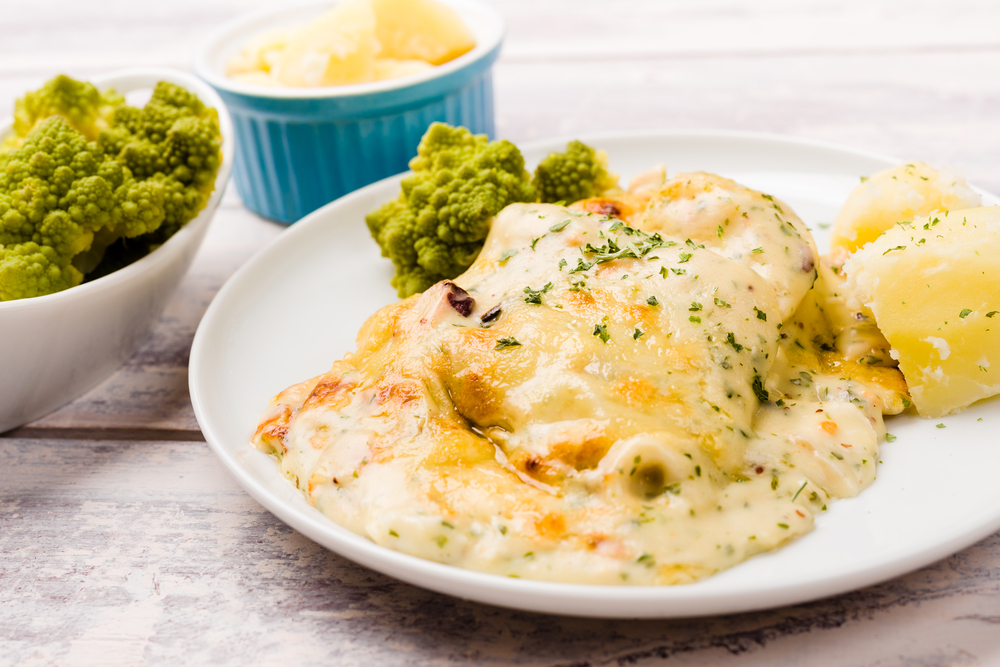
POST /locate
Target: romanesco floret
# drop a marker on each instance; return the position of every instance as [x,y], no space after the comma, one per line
[57,193]
[86,108]
[65,200]
[578,173]
[173,140]
[436,228]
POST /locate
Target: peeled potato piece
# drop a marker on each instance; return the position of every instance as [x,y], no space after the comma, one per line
[390,68]
[336,49]
[932,286]
[261,54]
[895,195]
[421,30]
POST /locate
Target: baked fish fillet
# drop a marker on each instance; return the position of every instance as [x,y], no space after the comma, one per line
[584,404]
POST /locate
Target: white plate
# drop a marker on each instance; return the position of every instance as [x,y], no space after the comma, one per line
[296,306]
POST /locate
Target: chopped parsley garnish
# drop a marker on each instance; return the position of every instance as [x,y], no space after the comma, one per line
[581,266]
[534,241]
[731,339]
[758,389]
[992,313]
[507,254]
[783,525]
[899,247]
[803,380]
[535,296]
[695,306]
[638,332]
[761,315]
[939,426]
[559,226]
[393,533]
[562,263]
[653,301]
[509,341]
[758,250]
[965,313]
[636,248]
[684,257]
[889,437]
[721,304]
[721,232]
[678,272]
[802,486]
[601,331]
[695,319]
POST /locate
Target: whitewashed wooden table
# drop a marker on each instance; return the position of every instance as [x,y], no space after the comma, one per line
[122,539]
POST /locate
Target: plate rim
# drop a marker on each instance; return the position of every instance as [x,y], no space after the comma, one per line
[684,601]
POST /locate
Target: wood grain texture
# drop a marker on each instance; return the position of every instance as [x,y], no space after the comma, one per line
[118,553]
[83,37]
[116,550]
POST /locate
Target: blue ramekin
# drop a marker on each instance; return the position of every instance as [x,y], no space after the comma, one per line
[300,148]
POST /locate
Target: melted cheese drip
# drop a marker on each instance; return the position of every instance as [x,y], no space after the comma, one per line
[594,413]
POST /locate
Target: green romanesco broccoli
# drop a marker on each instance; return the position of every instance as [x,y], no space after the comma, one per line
[86,108]
[64,199]
[436,228]
[578,173]
[174,140]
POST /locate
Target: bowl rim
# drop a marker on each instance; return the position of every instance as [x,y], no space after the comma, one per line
[124,81]
[211,42]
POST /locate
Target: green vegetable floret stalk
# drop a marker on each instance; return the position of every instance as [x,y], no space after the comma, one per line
[64,199]
[578,173]
[436,228]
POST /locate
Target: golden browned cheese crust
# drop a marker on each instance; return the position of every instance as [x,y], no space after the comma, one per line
[594,401]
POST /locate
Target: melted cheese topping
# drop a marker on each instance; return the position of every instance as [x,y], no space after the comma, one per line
[599,402]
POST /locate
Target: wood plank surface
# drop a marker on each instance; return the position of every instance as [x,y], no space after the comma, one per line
[123,541]
[120,553]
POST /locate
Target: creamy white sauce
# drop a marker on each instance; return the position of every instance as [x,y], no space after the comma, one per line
[610,425]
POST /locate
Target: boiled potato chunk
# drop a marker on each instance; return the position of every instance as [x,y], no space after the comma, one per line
[421,30]
[356,42]
[933,287]
[336,49]
[261,54]
[390,68]
[899,195]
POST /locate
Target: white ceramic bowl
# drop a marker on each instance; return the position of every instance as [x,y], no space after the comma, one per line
[55,347]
